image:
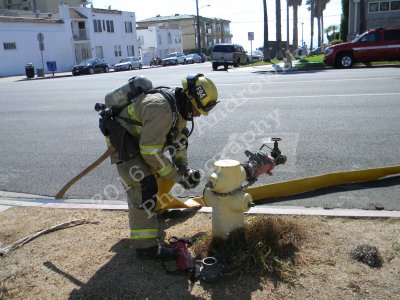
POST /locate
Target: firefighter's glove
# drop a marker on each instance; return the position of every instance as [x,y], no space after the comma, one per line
[191,179]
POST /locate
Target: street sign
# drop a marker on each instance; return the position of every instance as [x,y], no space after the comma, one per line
[40,37]
[250,36]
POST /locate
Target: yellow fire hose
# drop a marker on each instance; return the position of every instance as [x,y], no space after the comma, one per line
[263,192]
[297,186]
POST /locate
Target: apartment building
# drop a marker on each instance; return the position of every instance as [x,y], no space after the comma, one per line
[39,6]
[156,41]
[212,30]
[366,14]
[71,35]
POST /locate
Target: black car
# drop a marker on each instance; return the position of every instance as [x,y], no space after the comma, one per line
[91,66]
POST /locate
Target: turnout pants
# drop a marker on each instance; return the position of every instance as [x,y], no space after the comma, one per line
[141,188]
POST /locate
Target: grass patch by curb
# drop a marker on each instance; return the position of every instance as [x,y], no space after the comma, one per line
[266,246]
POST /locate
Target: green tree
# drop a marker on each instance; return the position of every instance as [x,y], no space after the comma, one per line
[295,4]
[345,20]
[267,58]
[312,12]
[279,54]
[330,32]
[317,7]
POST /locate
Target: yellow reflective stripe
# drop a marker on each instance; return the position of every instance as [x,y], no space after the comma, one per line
[132,115]
[140,234]
[181,154]
[150,149]
[166,170]
[108,141]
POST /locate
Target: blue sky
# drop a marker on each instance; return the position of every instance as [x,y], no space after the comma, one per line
[245,16]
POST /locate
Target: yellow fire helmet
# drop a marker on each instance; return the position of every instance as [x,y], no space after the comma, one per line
[201,91]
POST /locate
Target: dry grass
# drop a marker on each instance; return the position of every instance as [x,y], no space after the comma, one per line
[266,246]
[96,261]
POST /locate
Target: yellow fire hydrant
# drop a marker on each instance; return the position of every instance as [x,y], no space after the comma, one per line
[228,200]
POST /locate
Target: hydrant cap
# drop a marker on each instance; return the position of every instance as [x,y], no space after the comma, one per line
[228,176]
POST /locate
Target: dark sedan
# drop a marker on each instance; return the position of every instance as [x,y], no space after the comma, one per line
[91,66]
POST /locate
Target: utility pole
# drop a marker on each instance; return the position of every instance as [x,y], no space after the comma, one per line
[302,39]
[198,26]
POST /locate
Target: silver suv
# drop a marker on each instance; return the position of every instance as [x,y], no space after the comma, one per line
[174,58]
[228,55]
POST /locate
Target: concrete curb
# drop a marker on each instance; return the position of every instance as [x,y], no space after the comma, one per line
[9,199]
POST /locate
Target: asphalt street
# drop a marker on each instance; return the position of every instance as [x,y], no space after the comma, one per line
[329,120]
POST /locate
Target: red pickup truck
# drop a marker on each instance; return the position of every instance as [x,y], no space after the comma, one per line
[373,45]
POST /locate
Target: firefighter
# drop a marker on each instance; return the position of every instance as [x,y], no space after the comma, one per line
[163,114]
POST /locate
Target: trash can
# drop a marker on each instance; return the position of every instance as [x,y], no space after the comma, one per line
[29,70]
[40,72]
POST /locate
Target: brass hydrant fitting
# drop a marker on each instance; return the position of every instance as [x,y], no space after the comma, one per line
[228,200]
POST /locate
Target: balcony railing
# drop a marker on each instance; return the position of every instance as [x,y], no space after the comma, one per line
[80,35]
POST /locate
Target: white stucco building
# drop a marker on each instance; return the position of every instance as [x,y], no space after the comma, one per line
[157,41]
[69,37]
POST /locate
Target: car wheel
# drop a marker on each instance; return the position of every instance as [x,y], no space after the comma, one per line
[236,64]
[215,66]
[130,67]
[106,70]
[140,66]
[176,62]
[344,60]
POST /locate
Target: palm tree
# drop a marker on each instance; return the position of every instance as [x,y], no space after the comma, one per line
[266,48]
[328,30]
[279,54]
[295,4]
[312,22]
[287,24]
[317,9]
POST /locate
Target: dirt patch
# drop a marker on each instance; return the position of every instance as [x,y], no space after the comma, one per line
[95,260]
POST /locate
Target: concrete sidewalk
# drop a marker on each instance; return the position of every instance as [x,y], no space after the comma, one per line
[10,199]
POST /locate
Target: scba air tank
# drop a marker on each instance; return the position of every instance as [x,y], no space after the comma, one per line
[123,95]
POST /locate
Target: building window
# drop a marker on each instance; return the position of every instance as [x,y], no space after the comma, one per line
[97,25]
[395,5]
[384,6]
[141,40]
[9,46]
[117,50]
[169,38]
[99,52]
[110,26]
[131,50]
[104,25]
[128,27]
[159,39]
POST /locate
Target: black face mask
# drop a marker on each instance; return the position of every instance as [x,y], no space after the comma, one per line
[184,104]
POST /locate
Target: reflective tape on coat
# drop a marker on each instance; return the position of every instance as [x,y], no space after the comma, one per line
[141,234]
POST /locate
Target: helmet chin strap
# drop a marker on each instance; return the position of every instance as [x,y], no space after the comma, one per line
[184,107]
[184,104]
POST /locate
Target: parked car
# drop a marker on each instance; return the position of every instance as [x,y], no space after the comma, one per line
[373,45]
[316,51]
[128,63]
[91,66]
[193,58]
[203,57]
[256,55]
[174,58]
[228,55]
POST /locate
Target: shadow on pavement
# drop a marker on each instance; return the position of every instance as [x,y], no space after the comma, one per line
[385,182]
[126,277]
